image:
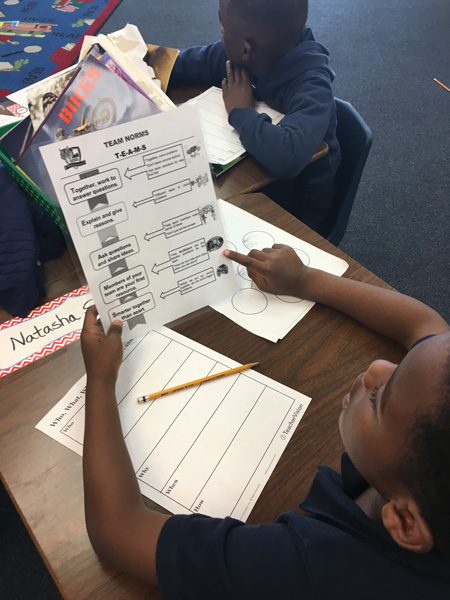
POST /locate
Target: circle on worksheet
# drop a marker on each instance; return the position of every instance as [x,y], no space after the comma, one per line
[304,257]
[230,246]
[289,299]
[258,240]
[249,301]
[242,272]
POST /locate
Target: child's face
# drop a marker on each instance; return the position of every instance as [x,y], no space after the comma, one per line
[232,32]
[381,407]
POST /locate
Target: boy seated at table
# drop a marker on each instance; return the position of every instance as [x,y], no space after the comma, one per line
[267,53]
[379,530]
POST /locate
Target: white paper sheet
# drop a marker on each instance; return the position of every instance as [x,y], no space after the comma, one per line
[141,209]
[208,449]
[267,315]
[222,141]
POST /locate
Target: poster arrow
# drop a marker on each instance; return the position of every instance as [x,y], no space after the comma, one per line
[165,265]
[137,203]
[130,173]
[149,236]
[169,293]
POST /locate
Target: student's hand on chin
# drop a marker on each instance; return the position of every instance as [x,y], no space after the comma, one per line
[237,88]
[277,270]
[102,353]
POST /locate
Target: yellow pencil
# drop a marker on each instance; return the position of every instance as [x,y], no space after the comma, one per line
[184,386]
[444,86]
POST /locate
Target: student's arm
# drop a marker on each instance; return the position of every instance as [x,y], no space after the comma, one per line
[200,65]
[122,530]
[285,149]
[401,318]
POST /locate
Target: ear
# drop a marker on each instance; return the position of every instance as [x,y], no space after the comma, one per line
[404,521]
[248,50]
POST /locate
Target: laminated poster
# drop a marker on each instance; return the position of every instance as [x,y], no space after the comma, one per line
[141,209]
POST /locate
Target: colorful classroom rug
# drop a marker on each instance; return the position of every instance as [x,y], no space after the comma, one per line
[41,37]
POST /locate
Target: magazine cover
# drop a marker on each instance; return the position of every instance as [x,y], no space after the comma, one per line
[95,99]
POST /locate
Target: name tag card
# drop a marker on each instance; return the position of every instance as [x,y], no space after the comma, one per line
[46,329]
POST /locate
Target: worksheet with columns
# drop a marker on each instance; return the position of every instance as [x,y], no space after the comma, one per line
[208,449]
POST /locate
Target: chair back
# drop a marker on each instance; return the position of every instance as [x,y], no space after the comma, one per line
[355,139]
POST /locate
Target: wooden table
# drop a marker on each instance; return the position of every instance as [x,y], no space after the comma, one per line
[319,357]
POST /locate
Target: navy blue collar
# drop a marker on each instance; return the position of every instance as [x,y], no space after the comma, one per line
[331,500]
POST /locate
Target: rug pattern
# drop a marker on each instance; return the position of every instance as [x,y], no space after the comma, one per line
[41,37]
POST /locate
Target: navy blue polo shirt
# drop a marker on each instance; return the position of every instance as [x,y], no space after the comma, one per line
[335,552]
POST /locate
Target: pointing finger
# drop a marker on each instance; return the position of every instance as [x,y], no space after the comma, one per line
[241,259]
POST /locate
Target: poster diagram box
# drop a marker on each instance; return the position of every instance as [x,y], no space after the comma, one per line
[99,219]
[183,223]
[191,283]
[165,161]
[188,255]
[133,308]
[167,193]
[184,257]
[104,257]
[172,191]
[196,281]
[85,189]
[127,282]
[177,225]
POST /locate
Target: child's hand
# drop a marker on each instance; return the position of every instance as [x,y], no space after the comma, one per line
[277,270]
[236,88]
[102,353]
